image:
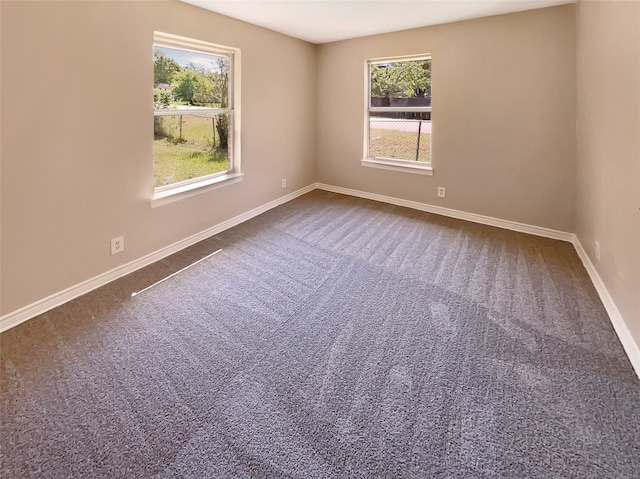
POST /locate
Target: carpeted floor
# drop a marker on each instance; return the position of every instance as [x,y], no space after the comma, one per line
[330,337]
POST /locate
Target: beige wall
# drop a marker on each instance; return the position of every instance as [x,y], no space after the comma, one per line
[503,116]
[608,147]
[77,135]
[76,144]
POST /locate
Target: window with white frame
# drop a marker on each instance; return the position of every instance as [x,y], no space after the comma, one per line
[398,120]
[195,114]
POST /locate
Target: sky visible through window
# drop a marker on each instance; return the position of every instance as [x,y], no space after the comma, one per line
[202,61]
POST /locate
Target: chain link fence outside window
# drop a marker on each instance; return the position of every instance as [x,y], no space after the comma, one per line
[400,138]
[189,146]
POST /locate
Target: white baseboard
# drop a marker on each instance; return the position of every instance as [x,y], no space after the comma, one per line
[630,346]
[628,343]
[462,215]
[42,306]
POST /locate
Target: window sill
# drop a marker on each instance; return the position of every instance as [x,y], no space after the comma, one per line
[394,165]
[192,189]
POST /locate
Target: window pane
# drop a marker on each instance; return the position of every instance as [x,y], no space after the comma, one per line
[401,84]
[189,146]
[182,77]
[400,135]
[190,143]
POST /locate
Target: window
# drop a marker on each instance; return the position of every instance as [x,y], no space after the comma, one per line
[398,119]
[195,115]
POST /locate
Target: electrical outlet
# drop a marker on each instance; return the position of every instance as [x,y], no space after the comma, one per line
[284,182]
[117,245]
[441,191]
[597,251]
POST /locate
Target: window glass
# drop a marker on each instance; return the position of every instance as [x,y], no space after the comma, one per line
[399,110]
[193,113]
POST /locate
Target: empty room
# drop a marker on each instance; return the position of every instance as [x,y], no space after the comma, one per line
[320,239]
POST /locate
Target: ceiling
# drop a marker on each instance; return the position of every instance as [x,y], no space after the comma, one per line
[322,21]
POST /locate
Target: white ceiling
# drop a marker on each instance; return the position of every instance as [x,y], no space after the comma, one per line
[321,21]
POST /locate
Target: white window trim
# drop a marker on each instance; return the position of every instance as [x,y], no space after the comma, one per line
[185,189]
[188,190]
[394,164]
[406,166]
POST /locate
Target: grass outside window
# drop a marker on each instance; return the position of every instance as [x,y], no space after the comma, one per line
[187,147]
[402,145]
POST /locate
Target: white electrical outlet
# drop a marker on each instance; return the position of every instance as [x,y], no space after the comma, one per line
[597,251]
[441,191]
[117,245]
[284,182]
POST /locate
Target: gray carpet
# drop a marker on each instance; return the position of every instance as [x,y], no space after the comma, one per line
[331,337]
